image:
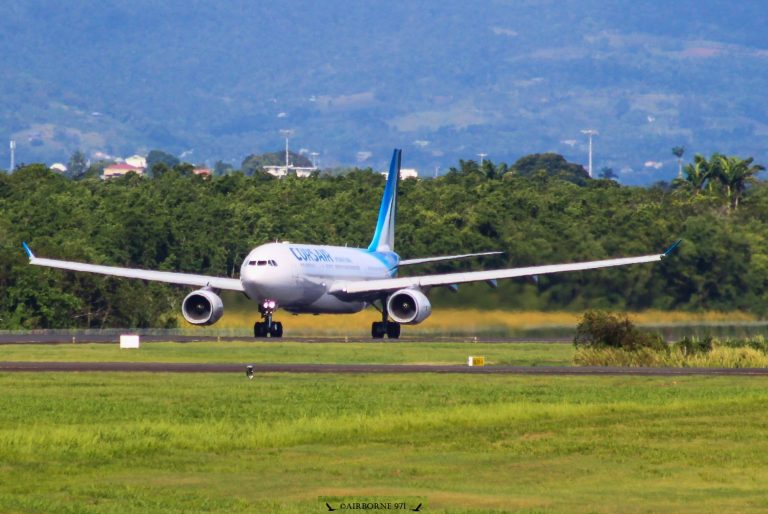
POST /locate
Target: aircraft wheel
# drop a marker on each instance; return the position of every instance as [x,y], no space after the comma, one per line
[259,329]
[378,330]
[276,330]
[393,330]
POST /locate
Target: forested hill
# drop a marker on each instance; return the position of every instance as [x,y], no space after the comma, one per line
[186,223]
[355,78]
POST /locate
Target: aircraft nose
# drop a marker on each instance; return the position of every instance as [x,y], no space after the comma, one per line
[261,275]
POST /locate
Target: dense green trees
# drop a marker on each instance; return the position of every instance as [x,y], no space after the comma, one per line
[185,223]
[160,158]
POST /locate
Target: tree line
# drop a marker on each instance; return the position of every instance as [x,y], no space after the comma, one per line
[538,210]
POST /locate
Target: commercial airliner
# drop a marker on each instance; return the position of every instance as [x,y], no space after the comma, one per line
[307,278]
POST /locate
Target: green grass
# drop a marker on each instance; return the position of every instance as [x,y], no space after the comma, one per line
[142,442]
[534,354]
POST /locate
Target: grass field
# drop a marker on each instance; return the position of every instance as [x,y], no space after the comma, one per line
[136,443]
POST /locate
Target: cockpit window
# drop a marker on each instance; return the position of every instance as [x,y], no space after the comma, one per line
[269,262]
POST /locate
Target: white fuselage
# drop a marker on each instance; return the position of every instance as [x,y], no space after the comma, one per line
[298,276]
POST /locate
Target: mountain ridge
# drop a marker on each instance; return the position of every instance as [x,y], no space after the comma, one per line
[358,78]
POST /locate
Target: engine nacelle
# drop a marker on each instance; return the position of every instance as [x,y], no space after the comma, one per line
[202,307]
[409,306]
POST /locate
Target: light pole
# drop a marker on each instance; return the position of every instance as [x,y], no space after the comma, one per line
[482,157]
[314,159]
[287,133]
[590,133]
[13,155]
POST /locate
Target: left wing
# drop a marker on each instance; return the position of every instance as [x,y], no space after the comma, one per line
[423,260]
[367,287]
[183,279]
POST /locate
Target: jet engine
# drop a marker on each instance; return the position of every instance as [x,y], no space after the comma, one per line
[202,307]
[409,306]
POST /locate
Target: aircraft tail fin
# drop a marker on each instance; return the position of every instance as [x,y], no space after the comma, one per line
[384,237]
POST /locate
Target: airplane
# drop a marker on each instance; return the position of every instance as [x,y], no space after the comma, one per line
[318,279]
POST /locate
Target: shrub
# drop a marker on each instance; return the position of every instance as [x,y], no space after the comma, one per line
[693,345]
[600,329]
[717,357]
[756,343]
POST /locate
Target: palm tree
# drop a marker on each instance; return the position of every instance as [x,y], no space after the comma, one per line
[696,175]
[678,152]
[734,174]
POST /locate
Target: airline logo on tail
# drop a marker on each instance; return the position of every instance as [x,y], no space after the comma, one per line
[384,237]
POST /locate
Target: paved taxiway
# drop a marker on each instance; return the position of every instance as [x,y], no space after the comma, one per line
[85,337]
[180,367]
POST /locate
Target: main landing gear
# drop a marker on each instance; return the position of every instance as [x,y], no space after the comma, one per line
[380,328]
[267,328]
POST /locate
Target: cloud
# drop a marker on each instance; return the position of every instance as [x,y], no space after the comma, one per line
[701,52]
[501,31]
[654,164]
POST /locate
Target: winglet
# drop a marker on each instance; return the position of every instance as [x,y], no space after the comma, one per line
[29,252]
[672,248]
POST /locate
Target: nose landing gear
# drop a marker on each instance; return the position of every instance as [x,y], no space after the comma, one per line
[267,328]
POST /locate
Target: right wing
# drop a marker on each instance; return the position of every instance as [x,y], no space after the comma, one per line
[367,288]
[183,279]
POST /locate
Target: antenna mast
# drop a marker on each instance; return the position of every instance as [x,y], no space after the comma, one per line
[590,133]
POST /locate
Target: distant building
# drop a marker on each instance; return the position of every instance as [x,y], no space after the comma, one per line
[120,170]
[276,171]
[203,172]
[137,161]
[404,173]
[58,167]
[303,172]
[281,171]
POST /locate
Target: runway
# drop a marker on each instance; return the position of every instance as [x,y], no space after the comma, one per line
[182,367]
